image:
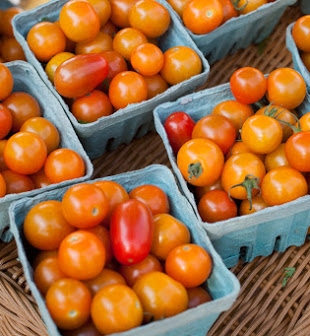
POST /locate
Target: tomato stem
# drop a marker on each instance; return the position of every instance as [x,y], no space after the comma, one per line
[194,170]
[235,3]
[250,182]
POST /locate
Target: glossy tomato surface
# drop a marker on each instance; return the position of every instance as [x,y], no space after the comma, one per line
[131,231]
[80,74]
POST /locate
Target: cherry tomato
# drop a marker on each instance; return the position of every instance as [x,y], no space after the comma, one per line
[240,147]
[22,106]
[202,17]
[169,232]
[155,85]
[105,278]
[120,12]
[46,273]
[103,9]
[64,164]
[200,161]
[303,122]
[301,33]
[283,184]
[178,5]
[6,20]
[45,129]
[153,196]
[6,121]
[45,226]
[216,128]
[286,87]
[216,205]
[161,296]
[179,127]
[150,17]
[276,158]
[126,88]
[297,151]
[147,59]
[257,203]
[235,111]
[261,134]
[6,81]
[101,42]
[80,74]
[229,10]
[25,153]
[11,50]
[190,264]
[116,308]
[69,303]
[132,272]
[242,175]
[84,205]
[91,107]
[180,63]
[46,39]
[286,118]
[248,85]
[197,296]
[17,183]
[81,255]
[39,179]
[131,231]
[87,329]
[127,39]
[79,20]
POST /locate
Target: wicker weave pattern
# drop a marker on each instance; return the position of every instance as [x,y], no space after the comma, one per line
[264,306]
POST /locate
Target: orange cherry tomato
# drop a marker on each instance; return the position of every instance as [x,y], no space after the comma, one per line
[127,87]
[17,183]
[46,39]
[84,205]
[202,17]
[6,121]
[180,64]
[45,129]
[169,232]
[116,308]
[64,164]
[161,296]
[69,303]
[79,20]
[152,196]
[25,153]
[150,17]
[81,255]
[45,226]
[197,296]
[132,272]
[190,264]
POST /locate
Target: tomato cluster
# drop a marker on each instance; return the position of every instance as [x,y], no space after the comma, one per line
[250,152]
[10,49]
[109,260]
[301,35]
[202,17]
[104,55]
[30,155]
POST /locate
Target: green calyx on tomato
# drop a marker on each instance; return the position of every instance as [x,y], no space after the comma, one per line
[250,182]
[194,170]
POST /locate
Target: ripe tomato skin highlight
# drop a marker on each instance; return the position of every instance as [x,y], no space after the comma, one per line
[283,184]
[131,230]
[179,127]
[200,161]
[248,85]
[80,74]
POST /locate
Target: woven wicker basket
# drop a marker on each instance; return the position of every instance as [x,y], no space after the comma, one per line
[265,306]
